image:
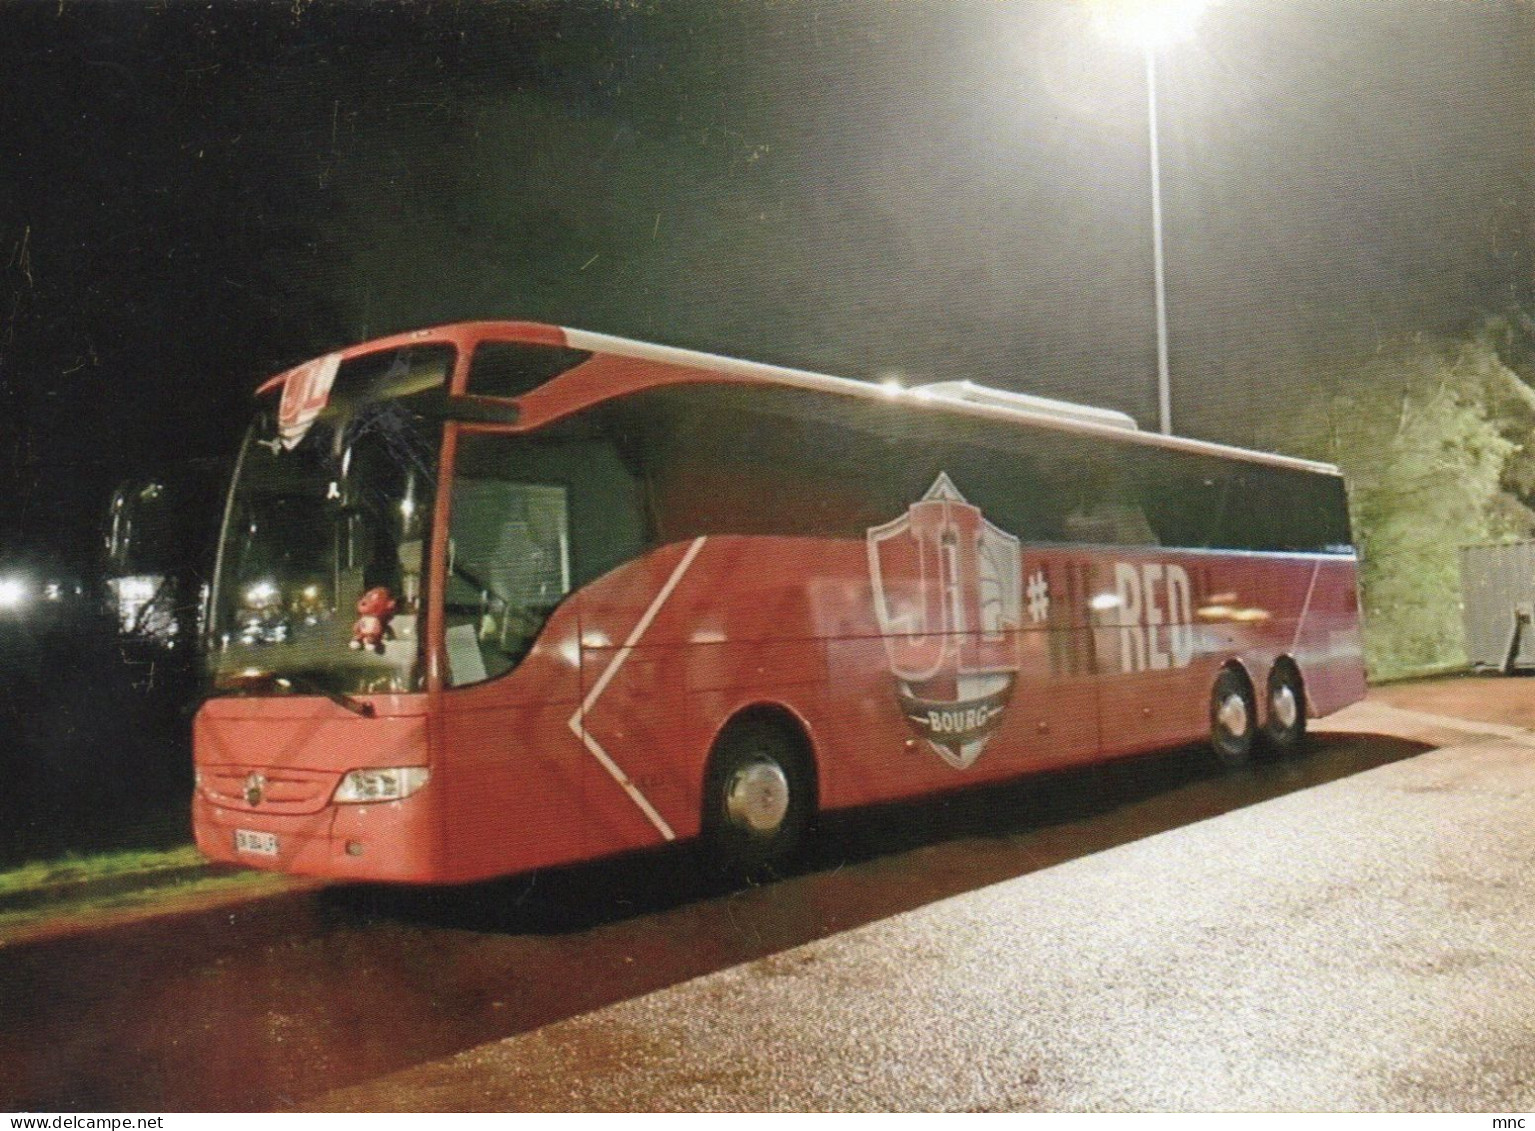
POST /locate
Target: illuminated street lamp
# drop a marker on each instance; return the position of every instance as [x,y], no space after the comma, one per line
[1149,25]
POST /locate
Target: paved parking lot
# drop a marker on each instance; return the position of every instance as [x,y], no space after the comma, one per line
[1363,944]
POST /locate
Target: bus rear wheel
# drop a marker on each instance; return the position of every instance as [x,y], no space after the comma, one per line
[758,798]
[1285,727]
[1233,719]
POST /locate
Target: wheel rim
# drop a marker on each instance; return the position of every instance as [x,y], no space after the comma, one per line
[1232,715]
[1284,708]
[757,797]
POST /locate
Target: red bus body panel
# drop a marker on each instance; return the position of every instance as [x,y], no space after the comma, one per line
[752,621]
[596,743]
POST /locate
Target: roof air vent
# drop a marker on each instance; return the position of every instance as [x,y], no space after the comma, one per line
[968,392]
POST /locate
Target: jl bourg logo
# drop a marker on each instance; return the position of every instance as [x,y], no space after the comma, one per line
[947,593]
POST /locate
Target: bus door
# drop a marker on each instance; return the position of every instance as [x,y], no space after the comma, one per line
[511,768]
[541,585]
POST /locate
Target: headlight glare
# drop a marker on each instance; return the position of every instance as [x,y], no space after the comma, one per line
[361,787]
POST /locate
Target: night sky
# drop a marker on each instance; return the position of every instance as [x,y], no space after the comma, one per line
[195,196]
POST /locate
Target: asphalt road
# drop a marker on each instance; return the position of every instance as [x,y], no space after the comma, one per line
[1348,930]
[1364,944]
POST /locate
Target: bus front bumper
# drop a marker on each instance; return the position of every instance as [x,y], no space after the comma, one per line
[392,841]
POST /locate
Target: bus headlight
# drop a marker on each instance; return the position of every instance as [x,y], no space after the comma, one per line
[360,787]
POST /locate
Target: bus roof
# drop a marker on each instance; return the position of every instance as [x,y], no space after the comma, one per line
[678,366]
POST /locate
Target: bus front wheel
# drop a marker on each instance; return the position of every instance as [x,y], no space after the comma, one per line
[758,797]
[1233,719]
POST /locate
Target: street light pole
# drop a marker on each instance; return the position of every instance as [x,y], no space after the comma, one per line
[1164,379]
[1150,24]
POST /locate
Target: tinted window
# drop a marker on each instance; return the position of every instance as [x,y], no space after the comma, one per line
[389,374]
[783,461]
[1283,509]
[773,461]
[510,369]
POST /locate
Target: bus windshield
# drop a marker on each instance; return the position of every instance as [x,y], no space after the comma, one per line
[319,586]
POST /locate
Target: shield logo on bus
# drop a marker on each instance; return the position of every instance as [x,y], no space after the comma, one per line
[947,594]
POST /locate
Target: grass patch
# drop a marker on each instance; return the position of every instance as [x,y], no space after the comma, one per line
[74,867]
[80,911]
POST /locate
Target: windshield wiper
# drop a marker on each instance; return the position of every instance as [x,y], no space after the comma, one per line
[339,698]
[256,681]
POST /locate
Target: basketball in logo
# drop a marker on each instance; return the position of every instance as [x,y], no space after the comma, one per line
[947,595]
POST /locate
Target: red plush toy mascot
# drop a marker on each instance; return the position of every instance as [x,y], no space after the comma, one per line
[376,610]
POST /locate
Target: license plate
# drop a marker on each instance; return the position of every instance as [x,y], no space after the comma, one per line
[262,844]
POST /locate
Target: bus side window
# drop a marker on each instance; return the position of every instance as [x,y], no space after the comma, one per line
[510,369]
[533,517]
[1313,516]
[509,567]
[1185,496]
[1109,523]
[1106,506]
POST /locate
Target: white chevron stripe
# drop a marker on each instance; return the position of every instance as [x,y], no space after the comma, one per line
[578,720]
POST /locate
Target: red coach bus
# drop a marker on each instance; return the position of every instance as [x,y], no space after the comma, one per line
[498,596]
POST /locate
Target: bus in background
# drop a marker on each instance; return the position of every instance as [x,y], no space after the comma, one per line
[500,596]
[158,540]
